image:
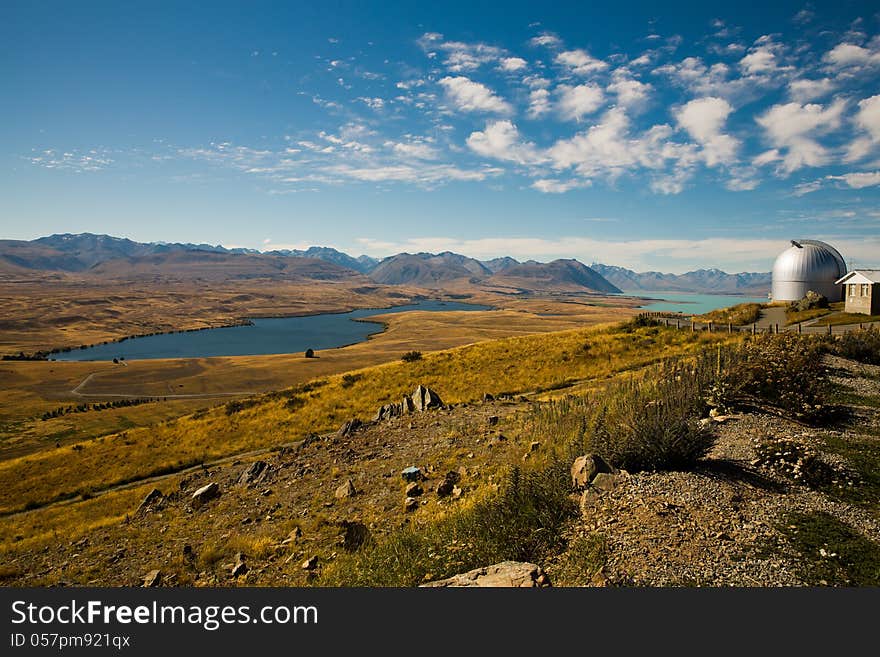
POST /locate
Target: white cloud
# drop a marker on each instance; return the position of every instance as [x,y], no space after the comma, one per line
[631,93]
[501,140]
[512,64]
[763,59]
[805,90]
[539,103]
[461,57]
[580,62]
[859,180]
[794,128]
[868,120]
[469,96]
[373,103]
[845,55]
[414,149]
[704,119]
[546,40]
[553,186]
[578,101]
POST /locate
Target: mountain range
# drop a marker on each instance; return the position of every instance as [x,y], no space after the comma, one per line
[116,257]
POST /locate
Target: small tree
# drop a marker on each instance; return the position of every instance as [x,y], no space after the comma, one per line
[411,356]
[310,353]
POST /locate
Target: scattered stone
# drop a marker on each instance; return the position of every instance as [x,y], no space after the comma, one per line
[295,534]
[354,535]
[456,492]
[606,482]
[413,489]
[310,564]
[446,487]
[253,472]
[506,574]
[492,420]
[412,473]
[410,504]
[487,397]
[585,468]
[152,579]
[153,496]
[407,406]
[425,399]
[188,553]
[346,490]
[205,494]
[534,446]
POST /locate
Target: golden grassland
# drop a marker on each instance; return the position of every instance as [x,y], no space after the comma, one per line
[28,389]
[738,315]
[841,319]
[511,365]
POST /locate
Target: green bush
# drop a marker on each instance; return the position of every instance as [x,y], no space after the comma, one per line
[411,356]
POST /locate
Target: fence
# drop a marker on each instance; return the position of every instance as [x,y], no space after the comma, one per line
[679,321]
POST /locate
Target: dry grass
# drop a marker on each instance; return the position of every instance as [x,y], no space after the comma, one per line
[795,316]
[511,365]
[839,319]
[738,315]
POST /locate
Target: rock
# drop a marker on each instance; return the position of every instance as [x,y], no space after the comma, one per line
[188,553]
[354,535]
[153,578]
[410,504]
[240,567]
[296,533]
[534,446]
[310,564]
[446,487]
[407,406]
[413,489]
[517,574]
[487,397]
[456,492]
[154,495]
[349,427]
[606,482]
[205,494]
[425,399]
[412,473]
[585,468]
[387,412]
[346,490]
[253,472]
[492,420]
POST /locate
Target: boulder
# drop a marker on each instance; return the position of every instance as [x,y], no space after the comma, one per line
[309,353]
[425,399]
[412,473]
[507,574]
[410,504]
[492,420]
[240,567]
[253,473]
[447,486]
[606,482]
[346,490]
[413,489]
[152,497]
[388,411]
[406,405]
[205,494]
[153,578]
[585,468]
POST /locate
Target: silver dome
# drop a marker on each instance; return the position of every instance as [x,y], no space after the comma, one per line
[807,265]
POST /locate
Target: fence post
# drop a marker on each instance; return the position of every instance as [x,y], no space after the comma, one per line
[829,329]
[777,329]
[754,328]
[800,328]
[729,327]
[710,327]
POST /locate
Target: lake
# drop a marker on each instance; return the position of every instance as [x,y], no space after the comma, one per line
[691,304]
[281,335]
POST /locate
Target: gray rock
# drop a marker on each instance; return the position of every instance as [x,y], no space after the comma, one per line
[152,497]
[253,473]
[152,579]
[406,405]
[412,473]
[350,427]
[606,482]
[205,494]
[492,420]
[585,468]
[425,399]
[387,412]
[346,490]
[507,574]
[240,567]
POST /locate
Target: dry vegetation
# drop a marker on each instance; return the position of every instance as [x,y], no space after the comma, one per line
[738,315]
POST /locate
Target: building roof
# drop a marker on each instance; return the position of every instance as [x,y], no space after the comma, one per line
[860,276]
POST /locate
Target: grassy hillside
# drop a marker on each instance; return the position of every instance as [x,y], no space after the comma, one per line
[514,365]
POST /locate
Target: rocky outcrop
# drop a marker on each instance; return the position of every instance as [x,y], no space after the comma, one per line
[422,399]
[205,494]
[507,574]
[425,399]
[254,472]
[346,490]
[585,468]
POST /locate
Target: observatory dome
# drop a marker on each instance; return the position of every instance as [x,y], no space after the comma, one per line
[807,265]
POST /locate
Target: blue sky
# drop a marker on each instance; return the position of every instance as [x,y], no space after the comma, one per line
[671,138]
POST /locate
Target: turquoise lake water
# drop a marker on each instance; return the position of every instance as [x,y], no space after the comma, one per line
[283,335]
[691,304]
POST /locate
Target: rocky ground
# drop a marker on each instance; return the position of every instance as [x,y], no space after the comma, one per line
[275,520]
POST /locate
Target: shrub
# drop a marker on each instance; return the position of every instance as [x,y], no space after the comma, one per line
[811,301]
[781,373]
[348,380]
[792,460]
[862,345]
[411,356]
